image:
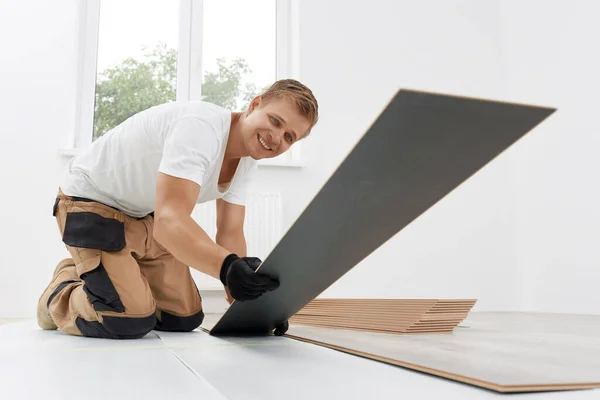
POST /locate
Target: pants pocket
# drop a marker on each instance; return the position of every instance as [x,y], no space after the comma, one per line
[92,231]
[101,291]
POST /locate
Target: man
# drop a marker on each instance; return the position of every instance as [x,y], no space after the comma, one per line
[124,213]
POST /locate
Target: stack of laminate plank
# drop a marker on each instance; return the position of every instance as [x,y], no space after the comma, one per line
[385,315]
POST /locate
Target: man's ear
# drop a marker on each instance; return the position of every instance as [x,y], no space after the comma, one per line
[254,103]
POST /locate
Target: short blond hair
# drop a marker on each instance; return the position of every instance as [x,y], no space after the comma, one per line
[301,95]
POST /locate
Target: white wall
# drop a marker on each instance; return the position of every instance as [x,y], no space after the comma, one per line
[492,238]
[356,58]
[521,235]
[551,56]
[37,90]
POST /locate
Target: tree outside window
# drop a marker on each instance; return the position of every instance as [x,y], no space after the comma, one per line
[136,85]
[138,54]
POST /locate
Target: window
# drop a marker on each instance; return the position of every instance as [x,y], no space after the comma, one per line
[239,56]
[139,53]
[136,68]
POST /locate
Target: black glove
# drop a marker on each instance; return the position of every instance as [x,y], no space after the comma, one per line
[243,283]
[281,329]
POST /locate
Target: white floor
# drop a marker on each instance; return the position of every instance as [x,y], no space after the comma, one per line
[51,365]
[9,320]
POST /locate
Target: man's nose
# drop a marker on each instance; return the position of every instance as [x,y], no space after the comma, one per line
[275,137]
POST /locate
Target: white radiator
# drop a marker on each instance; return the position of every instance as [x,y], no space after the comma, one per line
[262,227]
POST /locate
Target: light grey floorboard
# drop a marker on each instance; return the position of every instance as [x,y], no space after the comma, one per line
[506,349]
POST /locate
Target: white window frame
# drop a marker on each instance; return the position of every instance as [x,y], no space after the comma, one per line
[189,66]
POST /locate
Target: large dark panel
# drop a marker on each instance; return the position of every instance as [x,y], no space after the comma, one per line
[420,148]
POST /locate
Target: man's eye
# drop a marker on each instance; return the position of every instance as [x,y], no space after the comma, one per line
[289,136]
[275,121]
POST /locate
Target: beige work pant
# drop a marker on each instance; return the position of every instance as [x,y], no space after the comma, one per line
[128,284]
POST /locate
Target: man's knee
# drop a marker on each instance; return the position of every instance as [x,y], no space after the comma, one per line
[174,323]
[104,297]
[113,327]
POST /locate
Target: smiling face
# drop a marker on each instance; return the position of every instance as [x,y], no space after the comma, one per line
[270,129]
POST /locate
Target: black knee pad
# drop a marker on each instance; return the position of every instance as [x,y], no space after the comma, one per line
[117,327]
[173,323]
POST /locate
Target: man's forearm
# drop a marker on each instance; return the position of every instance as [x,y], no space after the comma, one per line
[235,242]
[190,244]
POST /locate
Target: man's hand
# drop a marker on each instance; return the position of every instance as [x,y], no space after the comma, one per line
[239,276]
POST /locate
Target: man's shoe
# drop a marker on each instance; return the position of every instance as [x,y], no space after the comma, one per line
[64,274]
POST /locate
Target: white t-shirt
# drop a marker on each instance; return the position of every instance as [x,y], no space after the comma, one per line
[182,139]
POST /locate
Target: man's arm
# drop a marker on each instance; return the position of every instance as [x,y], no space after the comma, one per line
[176,230]
[230,234]
[230,227]
[230,230]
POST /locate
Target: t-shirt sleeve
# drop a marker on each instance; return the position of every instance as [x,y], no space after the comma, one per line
[238,193]
[190,147]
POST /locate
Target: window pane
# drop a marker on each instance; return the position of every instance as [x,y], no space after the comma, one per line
[239,50]
[137,59]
